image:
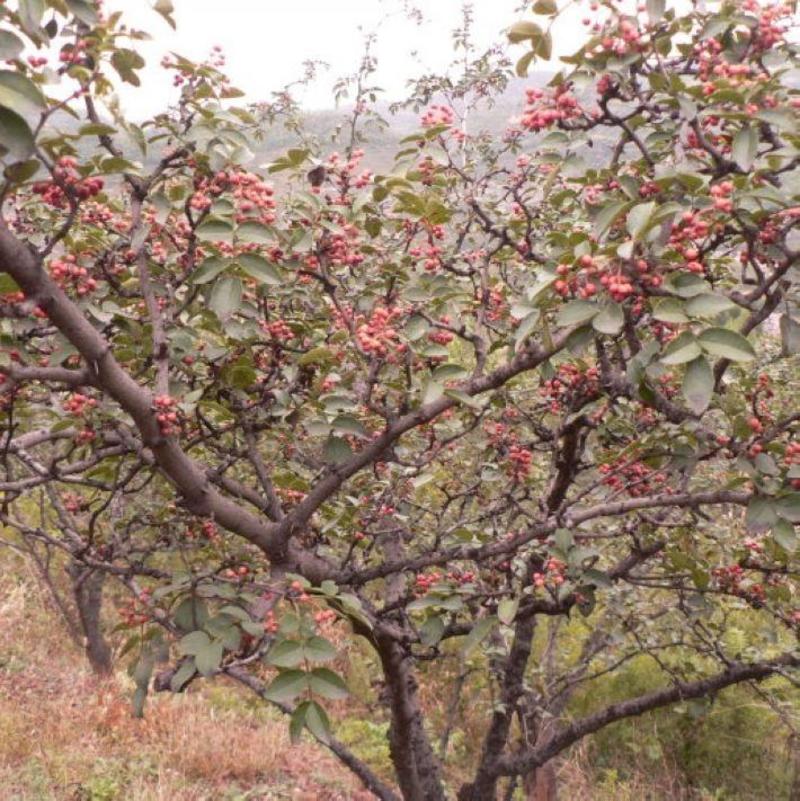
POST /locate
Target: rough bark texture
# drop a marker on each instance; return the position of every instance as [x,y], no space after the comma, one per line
[87,588]
[416,765]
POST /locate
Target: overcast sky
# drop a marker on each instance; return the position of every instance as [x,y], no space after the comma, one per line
[266,41]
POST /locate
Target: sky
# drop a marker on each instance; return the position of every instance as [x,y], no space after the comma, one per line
[267,41]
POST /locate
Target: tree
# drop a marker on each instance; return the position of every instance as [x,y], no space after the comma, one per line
[512,388]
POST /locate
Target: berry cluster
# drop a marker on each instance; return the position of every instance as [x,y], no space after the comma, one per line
[544,110]
[67,273]
[438,115]
[167,415]
[732,579]
[520,462]
[67,179]
[278,329]
[377,336]
[634,478]
[134,612]
[554,573]
[77,404]
[571,383]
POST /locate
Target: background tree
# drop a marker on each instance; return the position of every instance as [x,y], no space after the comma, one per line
[452,409]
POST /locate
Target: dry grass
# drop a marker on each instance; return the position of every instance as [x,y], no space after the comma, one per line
[64,736]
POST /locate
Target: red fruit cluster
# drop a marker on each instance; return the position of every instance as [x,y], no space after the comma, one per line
[544,110]
[67,273]
[278,329]
[730,579]
[167,415]
[135,612]
[66,179]
[571,382]
[635,478]
[425,581]
[77,404]
[73,54]
[441,336]
[341,248]
[377,335]
[437,115]
[554,570]
[208,529]
[520,459]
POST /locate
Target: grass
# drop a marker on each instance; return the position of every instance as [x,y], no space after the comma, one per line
[65,736]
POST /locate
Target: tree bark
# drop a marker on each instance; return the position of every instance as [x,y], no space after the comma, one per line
[87,588]
[415,763]
[542,784]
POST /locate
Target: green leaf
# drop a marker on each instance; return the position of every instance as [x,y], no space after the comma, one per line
[20,94]
[431,631]
[30,12]
[10,45]
[297,722]
[139,700]
[193,642]
[525,328]
[226,297]
[84,10]
[166,9]
[286,686]
[790,335]
[191,614]
[760,514]
[462,397]
[16,138]
[684,348]
[285,654]
[543,47]
[337,450]
[255,233]
[576,312]
[520,31]
[655,10]
[639,218]
[784,535]
[209,658]
[707,304]
[326,683]
[698,385]
[545,7]
[209,270]
[521,68]
[608,215]
[317,721]
[21,171]
[745,147]
[215,229]
[318,649]
[479,632]
[259,268]
[788,507]
[507,610]
[610,320]
[182,675]
[685,285]
[126,61]
[669,310]
[432,391]
[727,344]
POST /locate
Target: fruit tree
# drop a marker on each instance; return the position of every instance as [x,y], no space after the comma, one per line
[513,387]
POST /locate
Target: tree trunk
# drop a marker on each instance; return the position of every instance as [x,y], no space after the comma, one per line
[542,784]
[87,588]
[415,763]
